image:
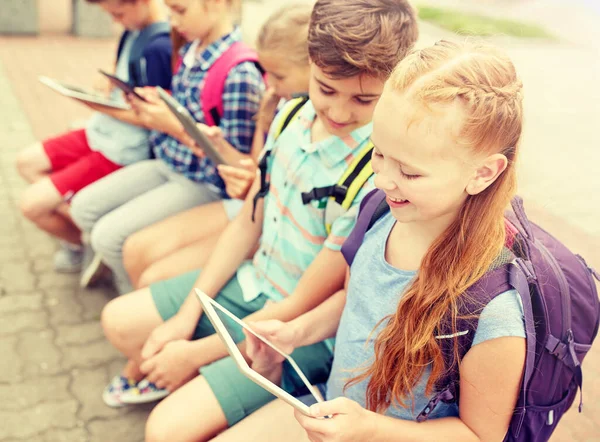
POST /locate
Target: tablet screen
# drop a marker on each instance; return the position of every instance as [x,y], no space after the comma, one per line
[229,328]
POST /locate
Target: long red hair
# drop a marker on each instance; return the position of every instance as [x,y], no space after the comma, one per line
[484,81]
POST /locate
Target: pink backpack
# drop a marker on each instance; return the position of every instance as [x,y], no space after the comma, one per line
[211,98]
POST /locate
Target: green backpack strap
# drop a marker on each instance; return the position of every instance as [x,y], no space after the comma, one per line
[342,194]
[287,114]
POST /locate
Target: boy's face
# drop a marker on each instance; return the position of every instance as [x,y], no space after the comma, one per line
[131,15]
[346,104]
[193,19]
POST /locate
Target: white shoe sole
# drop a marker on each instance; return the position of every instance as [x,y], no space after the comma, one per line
[91,274]
[111,401]
[132,399]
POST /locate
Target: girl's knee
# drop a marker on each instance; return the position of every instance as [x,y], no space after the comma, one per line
[114,321]
[134,253]
[158,428]
[27,159]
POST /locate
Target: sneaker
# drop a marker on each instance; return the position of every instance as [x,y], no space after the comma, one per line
[92,268]
[112,392]
[143,392]
[68,258]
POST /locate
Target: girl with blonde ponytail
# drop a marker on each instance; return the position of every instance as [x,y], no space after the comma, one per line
[446,133]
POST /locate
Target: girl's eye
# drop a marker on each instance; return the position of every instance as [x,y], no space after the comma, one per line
[409,177]
[326,91]
[363,102]
[376,154]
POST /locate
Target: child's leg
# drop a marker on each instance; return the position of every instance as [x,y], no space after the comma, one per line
[274,422]
[33,163]
[158,241]
[180,261]
[156,204]
[236,395]
[111,192]
[43,201]
[127,322]
[39,203]
[191,413]
[209,404]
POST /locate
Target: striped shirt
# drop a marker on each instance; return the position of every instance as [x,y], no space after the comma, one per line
[241,100]
[293,233]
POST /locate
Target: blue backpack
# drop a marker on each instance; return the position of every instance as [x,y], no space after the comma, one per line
[138,76]
[561,309]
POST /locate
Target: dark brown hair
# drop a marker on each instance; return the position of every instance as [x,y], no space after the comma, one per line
[358,37]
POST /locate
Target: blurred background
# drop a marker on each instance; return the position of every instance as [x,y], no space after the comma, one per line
[56,360]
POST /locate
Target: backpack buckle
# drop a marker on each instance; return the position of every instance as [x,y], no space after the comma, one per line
[445,395]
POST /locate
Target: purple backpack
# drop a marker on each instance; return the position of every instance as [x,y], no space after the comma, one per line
[561,310]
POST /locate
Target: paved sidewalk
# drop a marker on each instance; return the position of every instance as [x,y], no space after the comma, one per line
[55,360]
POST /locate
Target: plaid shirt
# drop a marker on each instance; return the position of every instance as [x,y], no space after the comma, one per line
[241,99]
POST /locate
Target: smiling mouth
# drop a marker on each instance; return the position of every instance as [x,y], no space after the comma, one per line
[397,200]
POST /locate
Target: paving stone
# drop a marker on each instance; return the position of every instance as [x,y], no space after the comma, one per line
[32,392]
[74,435]
[53,280]
[16,303]
[129,428]
[29,422]
[39,354]
[93,301]
[89,356]
[79,334]
[17,277]
[64,307]
[17,322]
[87,388]
[10,362]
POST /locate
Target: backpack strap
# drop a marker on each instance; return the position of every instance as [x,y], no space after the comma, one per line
[517,275]
[287,114]
[214,84]
[372,207]
[137,63]
[345,190]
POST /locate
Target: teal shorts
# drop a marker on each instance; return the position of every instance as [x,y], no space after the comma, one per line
[238,395]
[170,294]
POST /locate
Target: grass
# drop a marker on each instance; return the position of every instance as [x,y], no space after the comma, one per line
[465,23]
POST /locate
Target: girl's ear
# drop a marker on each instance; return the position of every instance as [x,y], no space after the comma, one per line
[487,172]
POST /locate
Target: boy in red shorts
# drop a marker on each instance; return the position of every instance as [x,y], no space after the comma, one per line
[59,167]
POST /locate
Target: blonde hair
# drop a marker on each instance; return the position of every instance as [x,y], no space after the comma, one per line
[285,33]
[484,82]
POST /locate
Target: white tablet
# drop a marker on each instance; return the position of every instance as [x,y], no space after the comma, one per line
[228,327]
[81,94]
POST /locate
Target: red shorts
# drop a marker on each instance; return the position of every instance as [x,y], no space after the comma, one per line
[74,164]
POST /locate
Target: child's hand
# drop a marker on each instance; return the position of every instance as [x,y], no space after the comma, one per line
[268,106]
[176,328]
[154,113]
[102,85]
[263,357]
[349,421]
[238,180]
[171,367]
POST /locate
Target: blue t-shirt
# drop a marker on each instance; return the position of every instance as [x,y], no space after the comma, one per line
[374,292]
[120,142]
